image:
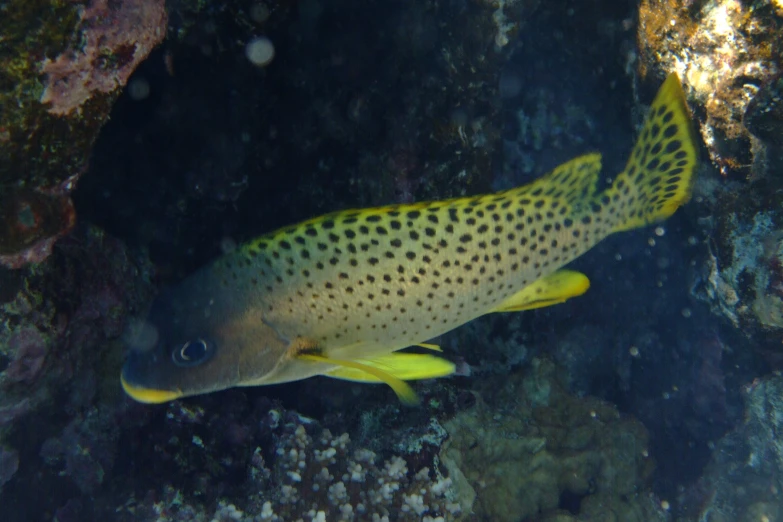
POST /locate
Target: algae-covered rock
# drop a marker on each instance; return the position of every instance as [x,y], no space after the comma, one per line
[741,278]
[62,65]
[744,478]
[723,50]
[549,453]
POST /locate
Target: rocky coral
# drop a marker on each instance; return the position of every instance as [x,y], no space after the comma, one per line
[764,115]
[751,455]
[59,351]
[546,453]
[61,67]
[724,50]
[296,470]
[741,277]
[55,317]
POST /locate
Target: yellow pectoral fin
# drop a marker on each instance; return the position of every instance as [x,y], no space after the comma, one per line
[404,392]
[428,346]
[553,289]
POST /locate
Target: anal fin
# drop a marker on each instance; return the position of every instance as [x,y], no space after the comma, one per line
[550,290]
[347,369]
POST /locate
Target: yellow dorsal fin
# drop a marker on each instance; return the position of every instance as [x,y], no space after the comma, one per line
[428,346]
[404,392]
[550,290]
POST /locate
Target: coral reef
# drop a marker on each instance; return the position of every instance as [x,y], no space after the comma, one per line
[62,66]
[294,470]
[750,456]
[546,453]
[54,318]
[724,50]
[764,115]
[59,356]
[741,277]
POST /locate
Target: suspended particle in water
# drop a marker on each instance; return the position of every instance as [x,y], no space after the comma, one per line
[260,51]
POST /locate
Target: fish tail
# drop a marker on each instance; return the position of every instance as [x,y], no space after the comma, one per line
[660,173]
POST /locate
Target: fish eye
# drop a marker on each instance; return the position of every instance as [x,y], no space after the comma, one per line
[192,353]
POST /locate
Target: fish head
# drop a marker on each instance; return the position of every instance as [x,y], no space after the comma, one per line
[198,339]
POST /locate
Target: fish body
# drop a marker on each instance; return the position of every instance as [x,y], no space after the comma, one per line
[338,295]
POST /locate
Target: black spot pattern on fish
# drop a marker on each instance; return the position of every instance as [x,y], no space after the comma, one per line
[465,256]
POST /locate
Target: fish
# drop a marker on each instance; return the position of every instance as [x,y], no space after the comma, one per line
[342,294]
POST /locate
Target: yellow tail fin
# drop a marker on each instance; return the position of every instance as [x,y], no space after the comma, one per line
[659,176]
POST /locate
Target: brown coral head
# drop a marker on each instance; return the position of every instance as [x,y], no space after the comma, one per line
[28,217]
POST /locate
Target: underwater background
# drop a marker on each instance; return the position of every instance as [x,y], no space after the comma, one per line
[141,139]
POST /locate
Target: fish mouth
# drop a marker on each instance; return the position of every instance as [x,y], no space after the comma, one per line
[147,395]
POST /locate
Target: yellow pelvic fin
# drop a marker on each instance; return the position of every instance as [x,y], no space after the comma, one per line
[550,290]
[404,392]
[428,346]
[404,366]
[660,173]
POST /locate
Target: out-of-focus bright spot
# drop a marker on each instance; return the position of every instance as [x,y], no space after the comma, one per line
[260,51]
[634,351]
[141,336]
[618,257]
[259,12]
[645,453]
[665,505]
[686,312]
[651,241]
[227,245]
[693,241]
[660,231]
[138,89]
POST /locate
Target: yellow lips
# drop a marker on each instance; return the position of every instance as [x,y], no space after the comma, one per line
[149,395]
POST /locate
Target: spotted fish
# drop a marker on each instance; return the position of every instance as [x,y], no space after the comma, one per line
[340,294]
